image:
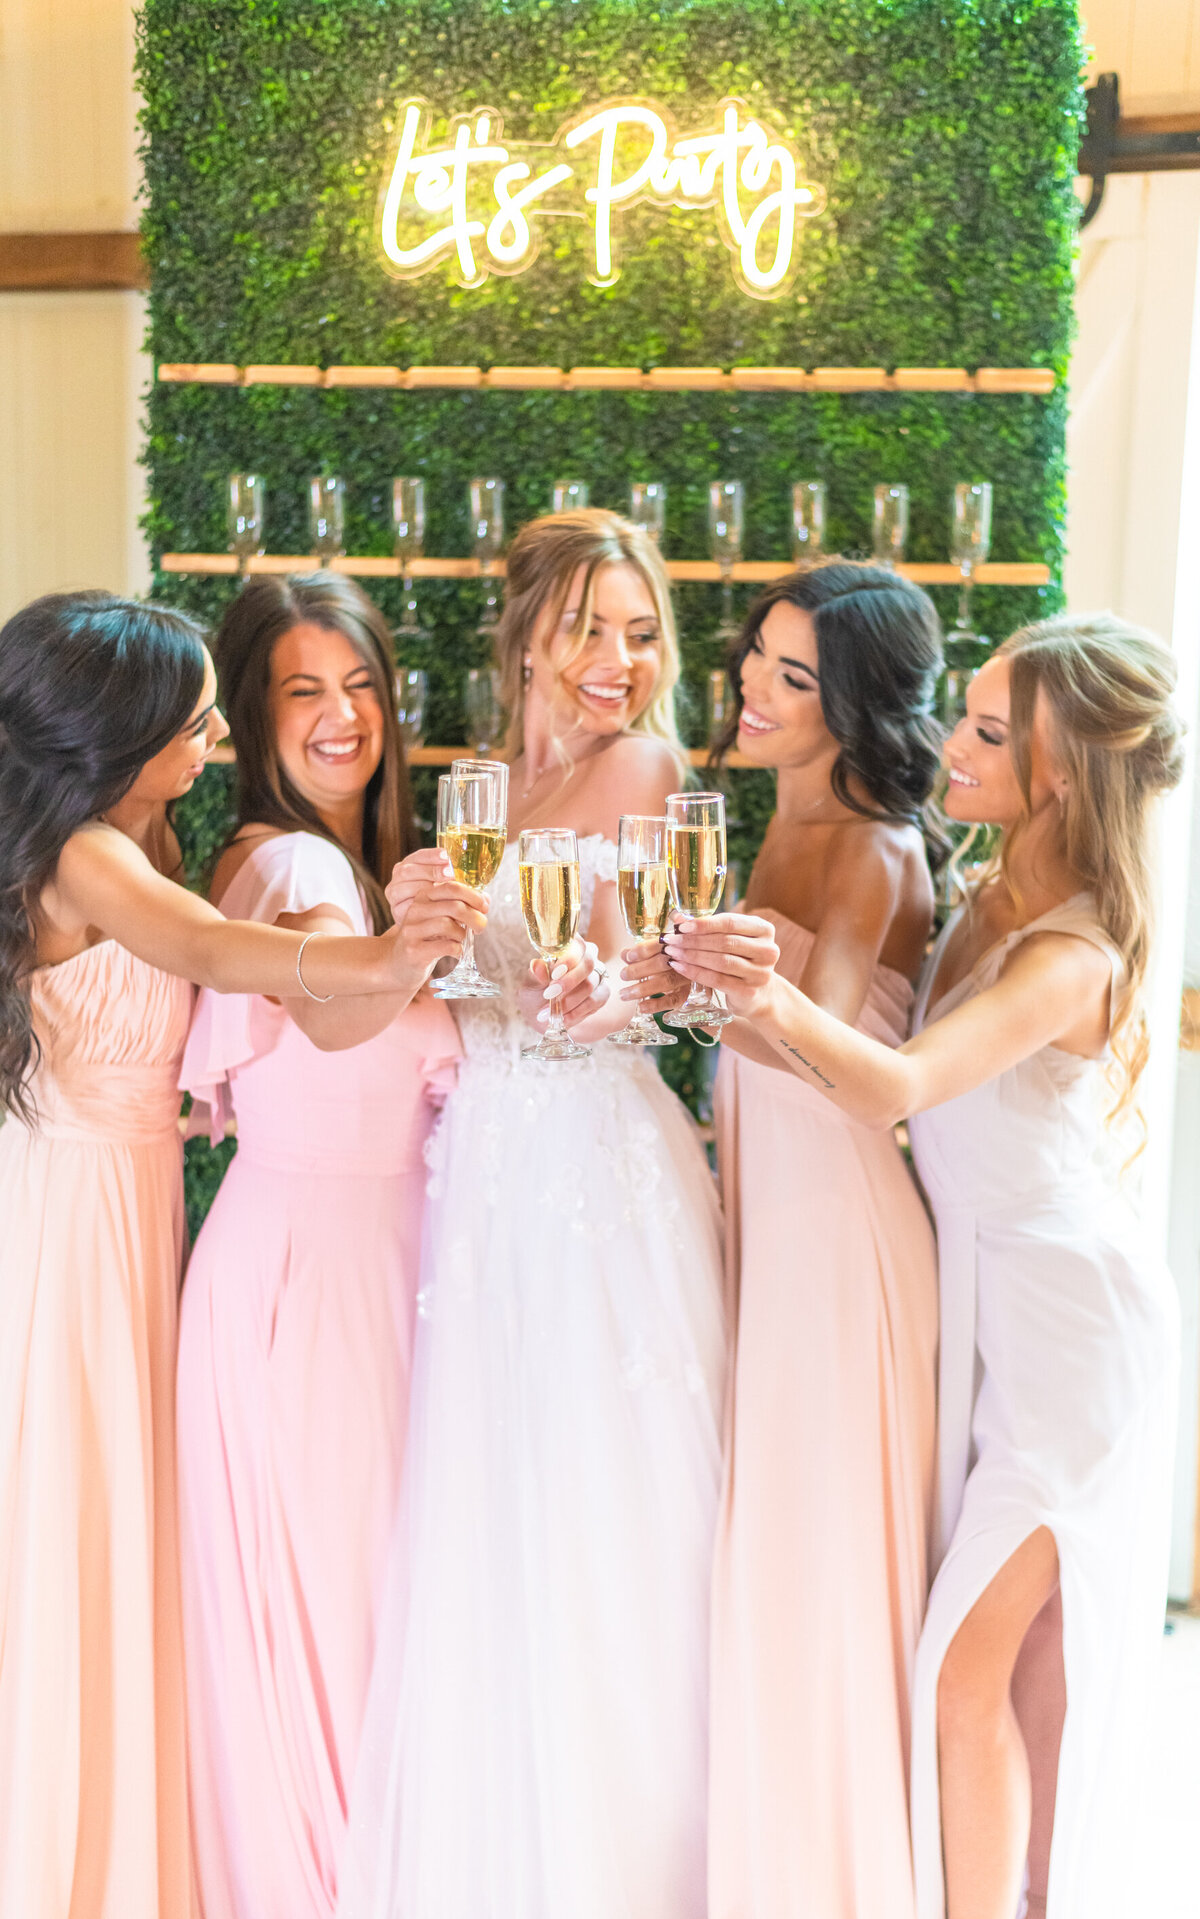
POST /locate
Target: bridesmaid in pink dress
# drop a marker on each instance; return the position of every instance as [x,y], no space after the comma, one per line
[106,715]
[821,1565]
[300,1302]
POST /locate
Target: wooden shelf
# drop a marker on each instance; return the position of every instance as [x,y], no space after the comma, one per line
[662,379]
[746,573]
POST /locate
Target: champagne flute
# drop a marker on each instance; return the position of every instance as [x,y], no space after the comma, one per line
[696,877]
[970,542]
[889,523]
[245,516]
[408,527]
[718,703]
[549,869]
[472,826]
[726,520]
[645,902]
[486,499]
[485,714]
[648,507]
[412,688]
[808,520]
[327,517]
[567,496]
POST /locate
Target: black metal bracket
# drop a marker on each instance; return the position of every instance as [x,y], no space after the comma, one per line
[1113,145]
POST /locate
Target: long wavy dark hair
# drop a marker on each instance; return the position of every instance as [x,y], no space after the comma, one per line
[879,654]
[256,621]
[91,687]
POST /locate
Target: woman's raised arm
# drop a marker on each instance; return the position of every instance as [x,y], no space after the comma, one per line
[104,881]
[1050,981]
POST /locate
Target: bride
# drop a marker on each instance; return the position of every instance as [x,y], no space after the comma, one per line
[536,1741]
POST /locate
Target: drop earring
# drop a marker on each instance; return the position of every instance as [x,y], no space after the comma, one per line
[527,670]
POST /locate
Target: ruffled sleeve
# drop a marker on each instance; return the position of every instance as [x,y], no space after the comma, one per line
[292,873]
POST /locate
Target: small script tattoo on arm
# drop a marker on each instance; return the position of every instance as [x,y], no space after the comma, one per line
[806,1063]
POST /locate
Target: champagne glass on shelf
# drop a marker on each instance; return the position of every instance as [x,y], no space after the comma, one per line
[472,827]
[408,528]
[970,543]
[485,714]
[486,498]
[648,508]
[717,702]
[726,522]
[327,517]
[549,872]
[412,689]
[696,877]
[645,901]
[567,496]
[889,523]
[808,520]
[245,516]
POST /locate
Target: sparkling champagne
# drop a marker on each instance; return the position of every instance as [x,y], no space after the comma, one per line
[696,867]
[550,903]
[475,852]
[642,891]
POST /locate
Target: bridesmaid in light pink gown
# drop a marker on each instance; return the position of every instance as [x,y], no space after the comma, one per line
[821,1570]
[300,1302]
[107,714]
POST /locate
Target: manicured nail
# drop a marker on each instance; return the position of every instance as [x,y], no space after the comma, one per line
[559,970]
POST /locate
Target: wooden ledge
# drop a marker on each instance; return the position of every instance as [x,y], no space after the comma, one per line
[705,572]
[663,379]
[72,263]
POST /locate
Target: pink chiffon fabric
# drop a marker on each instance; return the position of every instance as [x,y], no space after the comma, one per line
[822,1550]
[294,1360]
[93,1803]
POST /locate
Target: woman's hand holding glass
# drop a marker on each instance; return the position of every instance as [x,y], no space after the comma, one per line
[575,984]
[735,953]
[434,913]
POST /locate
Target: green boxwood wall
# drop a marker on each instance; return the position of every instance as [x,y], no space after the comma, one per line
[944,132]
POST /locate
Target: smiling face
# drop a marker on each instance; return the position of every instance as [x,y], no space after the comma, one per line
[602,685]
[325,714]
[175,770]
[781,722]
[983,784]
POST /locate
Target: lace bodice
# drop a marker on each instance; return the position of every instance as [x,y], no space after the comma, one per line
[494,1028]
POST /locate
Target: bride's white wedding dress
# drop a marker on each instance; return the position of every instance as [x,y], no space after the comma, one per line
[536,1736]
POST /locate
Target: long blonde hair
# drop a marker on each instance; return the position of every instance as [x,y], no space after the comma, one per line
[1117,737]
[542,562]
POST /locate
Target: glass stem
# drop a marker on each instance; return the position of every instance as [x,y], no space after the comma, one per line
[466,959]
[556,1023]
[964,596]
[726,598]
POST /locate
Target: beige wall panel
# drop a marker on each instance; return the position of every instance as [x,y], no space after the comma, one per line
[67,116]
[71,491]
[1154,45]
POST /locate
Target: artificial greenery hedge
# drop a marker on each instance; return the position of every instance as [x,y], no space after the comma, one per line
[943,132]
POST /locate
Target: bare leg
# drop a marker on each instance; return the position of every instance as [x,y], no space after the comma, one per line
[1039,1693]
[982,1761]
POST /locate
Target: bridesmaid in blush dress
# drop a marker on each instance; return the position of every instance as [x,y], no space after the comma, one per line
[298,1312]
[1059,1348]
[821,1566]
[106,715]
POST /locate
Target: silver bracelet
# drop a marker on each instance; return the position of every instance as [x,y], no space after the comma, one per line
[322,999]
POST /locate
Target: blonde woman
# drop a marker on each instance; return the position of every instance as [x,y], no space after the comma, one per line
[536,1741]
[1058,1355]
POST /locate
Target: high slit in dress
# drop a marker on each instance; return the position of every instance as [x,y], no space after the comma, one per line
[1057,1381]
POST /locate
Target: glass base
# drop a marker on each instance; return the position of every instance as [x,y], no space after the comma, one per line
[556,1046]
[465,983]
[714,1017]
[642,1033]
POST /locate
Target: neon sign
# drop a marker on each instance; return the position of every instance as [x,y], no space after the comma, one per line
[473,200]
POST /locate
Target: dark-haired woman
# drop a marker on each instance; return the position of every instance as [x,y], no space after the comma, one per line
[107,714]
[298,1314]
[821,1559]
